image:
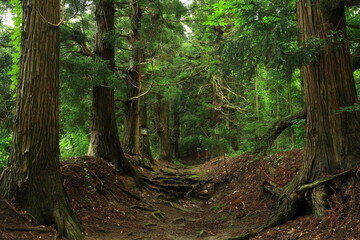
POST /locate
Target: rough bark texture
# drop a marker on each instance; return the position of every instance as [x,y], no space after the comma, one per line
[32,177]
[131,136]
[104,140]
[162,128]
[331,138]
[267,140]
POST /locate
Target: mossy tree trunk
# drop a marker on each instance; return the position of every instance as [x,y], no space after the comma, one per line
[331,137]
[32,177]
[131,136]
[331,144]
[104,140]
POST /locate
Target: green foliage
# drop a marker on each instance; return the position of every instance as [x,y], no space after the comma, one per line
[355,107]
[177,162]
[217,207]
[74,143]
[16,38]
[5,144]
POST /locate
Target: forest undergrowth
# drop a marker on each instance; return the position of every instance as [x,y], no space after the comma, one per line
[219,199]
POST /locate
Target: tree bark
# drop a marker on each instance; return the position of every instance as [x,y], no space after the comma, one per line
[32,177]
[267,140]
[290,104]
[162,128]
[176,130]
[144,122]
[104,140]
[131,136]
[331,144]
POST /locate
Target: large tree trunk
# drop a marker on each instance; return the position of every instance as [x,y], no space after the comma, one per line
[104,140]
[131,136]
[32,177]
[331,137]
[332,144]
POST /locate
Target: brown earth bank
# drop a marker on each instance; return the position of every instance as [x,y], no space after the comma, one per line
[218,199]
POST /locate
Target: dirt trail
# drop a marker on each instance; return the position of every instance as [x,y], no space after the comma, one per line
[178,203]
[218,199]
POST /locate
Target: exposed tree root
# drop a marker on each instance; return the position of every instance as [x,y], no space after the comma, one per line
[24,214]
[66,224]
[27,229]
[292,203]
[143,208]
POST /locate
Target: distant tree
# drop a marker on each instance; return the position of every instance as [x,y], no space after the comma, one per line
[32,177]
[131,135]
[162,126]
[104,140]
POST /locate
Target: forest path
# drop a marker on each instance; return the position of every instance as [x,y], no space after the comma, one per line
[227,200]
[212,200]
[217,199]
[172,207]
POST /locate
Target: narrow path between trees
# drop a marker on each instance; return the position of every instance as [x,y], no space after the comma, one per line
[219,199]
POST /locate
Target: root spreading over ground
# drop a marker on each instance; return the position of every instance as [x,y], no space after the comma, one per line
[219,199]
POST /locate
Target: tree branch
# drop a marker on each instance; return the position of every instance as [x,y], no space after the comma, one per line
[277,128]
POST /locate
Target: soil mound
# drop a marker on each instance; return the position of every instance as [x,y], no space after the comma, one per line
[218,199]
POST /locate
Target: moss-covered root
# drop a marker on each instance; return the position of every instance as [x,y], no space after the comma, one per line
[67,224]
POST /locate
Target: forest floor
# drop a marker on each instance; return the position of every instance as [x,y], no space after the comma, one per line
[218,199]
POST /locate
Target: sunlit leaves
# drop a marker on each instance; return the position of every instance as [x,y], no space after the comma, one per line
[16,38]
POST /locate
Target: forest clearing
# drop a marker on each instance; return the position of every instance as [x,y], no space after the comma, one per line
[225,197]
[174,119]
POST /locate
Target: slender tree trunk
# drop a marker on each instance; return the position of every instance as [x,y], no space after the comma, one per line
[277,118]
[162,127]
[176,130]
[104,140]
[144,122]
[290,104]
[131,136]
[257,110]
[32,177]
